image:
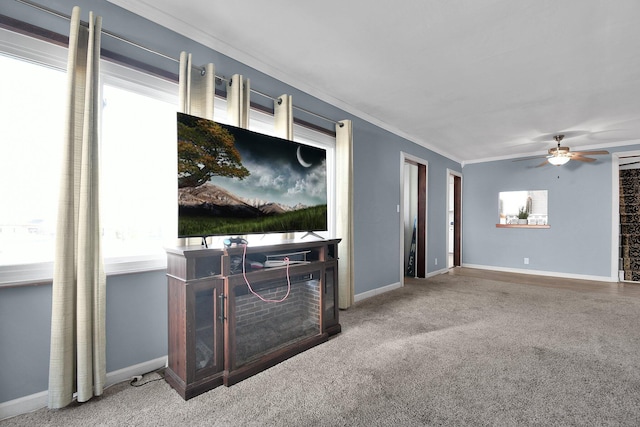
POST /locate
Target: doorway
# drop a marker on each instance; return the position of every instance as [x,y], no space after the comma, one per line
[413,210]
[454,219]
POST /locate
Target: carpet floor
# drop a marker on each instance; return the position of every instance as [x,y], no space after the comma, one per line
[448,350]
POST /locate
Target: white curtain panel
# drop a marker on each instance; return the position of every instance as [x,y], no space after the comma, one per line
[283,116]
[197,88]
[77,358]
[283,125]
[344,211]
[196,94]
[238,101]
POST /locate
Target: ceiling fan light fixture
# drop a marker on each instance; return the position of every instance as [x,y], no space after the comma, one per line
[560,155]
[559,160]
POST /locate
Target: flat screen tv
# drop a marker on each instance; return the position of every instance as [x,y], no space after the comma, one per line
[232,181]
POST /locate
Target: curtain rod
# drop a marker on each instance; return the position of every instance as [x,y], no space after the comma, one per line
[106,32]
[139,46]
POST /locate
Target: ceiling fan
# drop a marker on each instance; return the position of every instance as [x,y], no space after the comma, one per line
[559,156]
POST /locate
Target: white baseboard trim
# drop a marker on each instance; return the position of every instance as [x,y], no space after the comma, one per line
[543,273]
[374,292]
[33,402]
[387,288]
[438,272]
[23,405]
[129,372]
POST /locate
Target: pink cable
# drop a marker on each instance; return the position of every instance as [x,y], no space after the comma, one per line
[244,274]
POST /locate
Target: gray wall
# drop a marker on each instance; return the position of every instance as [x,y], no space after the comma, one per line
[25,326]
[136,327]
[377,175]
[580,214]
[136,303]
[136,319]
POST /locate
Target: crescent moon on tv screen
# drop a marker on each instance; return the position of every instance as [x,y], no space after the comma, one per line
[301,160]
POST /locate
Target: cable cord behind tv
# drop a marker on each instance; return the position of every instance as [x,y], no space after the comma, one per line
[244,274]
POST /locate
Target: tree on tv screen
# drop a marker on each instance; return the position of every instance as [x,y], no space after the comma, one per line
[206,149]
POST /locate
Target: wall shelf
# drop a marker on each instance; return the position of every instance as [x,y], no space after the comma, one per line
[522,226]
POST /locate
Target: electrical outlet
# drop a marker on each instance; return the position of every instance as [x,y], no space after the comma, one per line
[526,261]
[436,261]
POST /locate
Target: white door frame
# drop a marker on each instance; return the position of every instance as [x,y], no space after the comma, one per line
[405,157]
[458,174]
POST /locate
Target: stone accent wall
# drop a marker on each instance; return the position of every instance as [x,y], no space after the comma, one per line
[630,223]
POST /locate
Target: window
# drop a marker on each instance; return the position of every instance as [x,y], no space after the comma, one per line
[137,187]
[138,160]
[137,148]
[31,128]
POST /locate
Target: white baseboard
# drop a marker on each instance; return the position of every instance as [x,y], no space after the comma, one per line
[543,273]
[438,272]
[33,402]
[378,291]
[129,372]
[382,290]
[23,405]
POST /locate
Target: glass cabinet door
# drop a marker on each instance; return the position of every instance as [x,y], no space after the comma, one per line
[330,296]
[208,331]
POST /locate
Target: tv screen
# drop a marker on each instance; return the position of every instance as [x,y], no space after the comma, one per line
[232,181]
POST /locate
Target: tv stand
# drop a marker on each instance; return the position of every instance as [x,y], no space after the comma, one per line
[221,333]
[311,233]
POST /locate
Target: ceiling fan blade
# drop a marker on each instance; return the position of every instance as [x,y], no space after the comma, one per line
[580,158]
[529,158]
[593,153]
[546,162]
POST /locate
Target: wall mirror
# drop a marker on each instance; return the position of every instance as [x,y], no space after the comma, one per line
[523,207]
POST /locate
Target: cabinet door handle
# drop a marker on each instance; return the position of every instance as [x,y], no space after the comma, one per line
[221,301]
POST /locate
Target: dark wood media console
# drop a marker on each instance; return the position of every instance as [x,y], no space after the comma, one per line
[220,332]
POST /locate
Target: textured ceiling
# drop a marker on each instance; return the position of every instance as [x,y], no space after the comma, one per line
[471,79]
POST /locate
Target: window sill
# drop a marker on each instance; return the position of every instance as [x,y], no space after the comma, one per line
[42,273]
[522,226]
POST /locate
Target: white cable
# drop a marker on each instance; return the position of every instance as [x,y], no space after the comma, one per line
[244,274]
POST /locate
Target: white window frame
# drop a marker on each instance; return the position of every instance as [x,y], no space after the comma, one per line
[48,55]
